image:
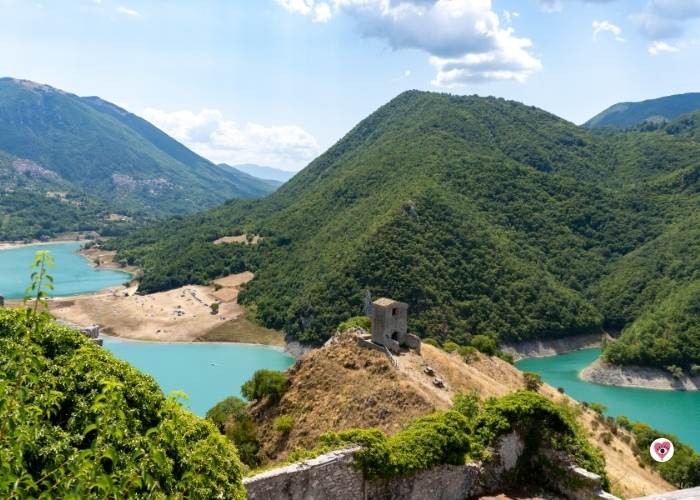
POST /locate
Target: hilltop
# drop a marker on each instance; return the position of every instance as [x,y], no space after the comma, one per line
[652,111]
[486,215]
[355,387]
[96,152]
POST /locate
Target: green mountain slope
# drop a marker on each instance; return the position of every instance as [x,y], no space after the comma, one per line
[112,154]
[487,216]
[630,114]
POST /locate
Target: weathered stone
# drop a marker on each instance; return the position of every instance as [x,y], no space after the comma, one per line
[92,331]
[390,325]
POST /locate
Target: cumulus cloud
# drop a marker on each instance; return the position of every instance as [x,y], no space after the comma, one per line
[601,26]
[220,140]
[660,47]
[127,11]
[464,38]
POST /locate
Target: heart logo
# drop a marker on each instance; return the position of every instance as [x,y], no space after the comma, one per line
[661,450]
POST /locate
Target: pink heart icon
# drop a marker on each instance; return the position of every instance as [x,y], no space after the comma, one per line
[661,448]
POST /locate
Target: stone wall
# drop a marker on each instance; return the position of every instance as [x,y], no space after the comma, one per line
[334,476]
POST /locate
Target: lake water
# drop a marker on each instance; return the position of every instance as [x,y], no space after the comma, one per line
[72,273]
[207,372]
[676,412]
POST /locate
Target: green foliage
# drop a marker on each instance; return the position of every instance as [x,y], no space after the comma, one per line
[543,424]
[355,322]
[467,404]
[265,383]
[230,408]
[599,408]
[450,346]
[485,344]
[440,438]
[486,216]
[629,114]
[532,381]
[431,341]
[214,306]
[468,353]
[75,422]
[683,470]
[283,424]
[41,282]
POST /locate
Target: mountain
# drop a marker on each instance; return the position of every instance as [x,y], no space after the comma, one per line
[630,114]
[259,180]
[261,172]
[485,215]
[111,154]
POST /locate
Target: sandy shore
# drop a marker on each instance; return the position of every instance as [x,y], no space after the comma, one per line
[641,377]
[180,315]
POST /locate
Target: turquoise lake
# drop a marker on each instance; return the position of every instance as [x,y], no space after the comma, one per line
[206,372]
[72,273]
[669,411]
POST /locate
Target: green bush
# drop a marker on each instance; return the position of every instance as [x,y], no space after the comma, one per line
[76,422]
[533,381]
[450,346]
[265,383]
[624,422]
[485,344]
[469,354]
[231,408]
[283,424]
[355,322]
[431,341]
[467,404]
[599,408]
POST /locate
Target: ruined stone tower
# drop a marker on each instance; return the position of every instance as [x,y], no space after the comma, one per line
[390,325]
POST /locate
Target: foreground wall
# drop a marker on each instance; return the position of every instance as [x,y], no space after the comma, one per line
[334,476]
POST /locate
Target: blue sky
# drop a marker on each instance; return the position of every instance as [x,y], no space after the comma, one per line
[277,82]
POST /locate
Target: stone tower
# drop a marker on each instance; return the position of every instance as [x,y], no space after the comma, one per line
[390,325]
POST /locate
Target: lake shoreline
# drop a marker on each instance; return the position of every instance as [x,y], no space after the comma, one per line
[542,348]
[602,373]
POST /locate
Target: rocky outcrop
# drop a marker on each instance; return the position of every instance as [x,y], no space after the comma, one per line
[540,348]
[604,373]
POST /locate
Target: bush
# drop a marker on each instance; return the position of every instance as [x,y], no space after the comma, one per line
[265,383]
[466,404]
[533,381]
[431,341]
[508,358]
[224,411]
[283,424]
[485,344]
[450,346]
[214,306]
[599,408]
[469,354]
[355,322]
[232,417]
[76,422]
[561,390]
[675,371]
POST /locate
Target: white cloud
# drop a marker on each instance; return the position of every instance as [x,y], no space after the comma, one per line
[659,47]
[407,73]
[322,12]
[464,38]
[224,141]
[509,16]
[558,5]
[600,26]
[666,19]
[127,12]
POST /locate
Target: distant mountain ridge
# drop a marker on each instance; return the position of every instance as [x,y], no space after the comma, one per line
[262,172]
[630,114]
[112,154]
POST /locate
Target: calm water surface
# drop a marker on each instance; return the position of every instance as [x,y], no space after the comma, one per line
[72,273]
[671,411]
[207,372]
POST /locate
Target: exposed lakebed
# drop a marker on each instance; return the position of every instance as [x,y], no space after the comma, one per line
[73,274]
[677,412]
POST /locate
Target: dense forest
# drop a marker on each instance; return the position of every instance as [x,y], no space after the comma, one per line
[485,215]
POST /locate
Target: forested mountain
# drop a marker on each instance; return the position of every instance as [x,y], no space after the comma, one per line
[112,154]
[487,216]
[263,172]
[653,111]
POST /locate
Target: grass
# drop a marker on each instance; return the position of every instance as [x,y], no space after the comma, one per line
[244,330]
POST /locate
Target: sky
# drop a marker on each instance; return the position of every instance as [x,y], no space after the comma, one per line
[277,82]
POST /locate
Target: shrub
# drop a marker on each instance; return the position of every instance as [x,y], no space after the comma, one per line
[214,306]
[76,422]
[355,322]
[231,408]
[675,371]
[469,354]
[485,344]
[533,381]
[507,357]
[561,390]
[599,408]
[283,424]
[450,346]
[431,341]
[606,437]
[466,404]
[265,383]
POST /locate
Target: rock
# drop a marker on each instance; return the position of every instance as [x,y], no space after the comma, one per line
[429,371]
[438,382]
